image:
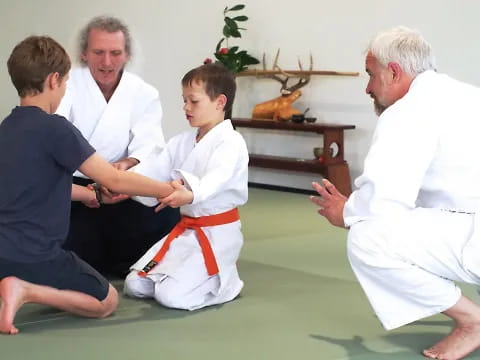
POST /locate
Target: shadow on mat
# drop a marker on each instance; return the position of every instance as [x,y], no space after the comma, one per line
[356,348]
[37,318]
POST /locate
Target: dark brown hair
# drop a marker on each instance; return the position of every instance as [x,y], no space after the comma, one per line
[32,60]
[217,80]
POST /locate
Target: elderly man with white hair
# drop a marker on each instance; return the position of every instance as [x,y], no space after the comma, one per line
[413,220]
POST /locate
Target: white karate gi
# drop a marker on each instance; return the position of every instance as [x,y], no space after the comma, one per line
[129,125]
[216,171]
[409,237]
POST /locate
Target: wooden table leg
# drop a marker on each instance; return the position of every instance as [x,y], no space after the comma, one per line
[339,175]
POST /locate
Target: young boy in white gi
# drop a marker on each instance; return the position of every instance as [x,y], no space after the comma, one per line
[195,265]
[40,151]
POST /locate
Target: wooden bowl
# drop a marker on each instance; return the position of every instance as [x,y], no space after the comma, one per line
[317,152]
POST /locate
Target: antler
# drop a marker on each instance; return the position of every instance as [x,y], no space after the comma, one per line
[283,81]
[304,77]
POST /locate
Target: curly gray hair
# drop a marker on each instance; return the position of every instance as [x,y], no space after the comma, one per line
[109,24]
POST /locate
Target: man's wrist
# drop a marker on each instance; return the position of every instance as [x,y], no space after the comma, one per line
[98,193]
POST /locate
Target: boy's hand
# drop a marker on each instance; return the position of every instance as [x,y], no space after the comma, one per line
[125,163]
[91,202]
[180,196]
[114,198]
[108,197]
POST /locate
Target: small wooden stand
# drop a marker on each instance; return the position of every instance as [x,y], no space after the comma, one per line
[334,168]
[258,72]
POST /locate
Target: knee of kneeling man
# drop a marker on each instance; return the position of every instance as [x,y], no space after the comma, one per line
[366,238]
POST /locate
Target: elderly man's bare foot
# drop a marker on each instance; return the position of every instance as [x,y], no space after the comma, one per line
[459,343]
[12,292]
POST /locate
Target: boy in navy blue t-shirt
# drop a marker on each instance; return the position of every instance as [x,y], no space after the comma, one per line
[39,153]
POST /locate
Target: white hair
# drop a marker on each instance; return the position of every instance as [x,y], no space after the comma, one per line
[403,46]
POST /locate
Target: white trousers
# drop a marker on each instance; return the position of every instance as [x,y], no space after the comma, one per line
[408,266]
[187,290]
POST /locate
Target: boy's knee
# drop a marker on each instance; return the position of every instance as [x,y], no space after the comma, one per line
[136,286]
[168,294]
[110,303]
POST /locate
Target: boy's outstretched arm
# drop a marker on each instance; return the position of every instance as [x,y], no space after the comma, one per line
[123,182]
[85,195]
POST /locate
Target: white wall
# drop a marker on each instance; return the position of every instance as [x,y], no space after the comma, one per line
[174,36]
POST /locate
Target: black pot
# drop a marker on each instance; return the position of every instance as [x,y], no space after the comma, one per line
[298,118]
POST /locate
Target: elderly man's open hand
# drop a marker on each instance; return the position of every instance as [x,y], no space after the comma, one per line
[330,201]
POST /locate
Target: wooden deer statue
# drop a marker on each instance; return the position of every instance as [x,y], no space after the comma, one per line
[281,108]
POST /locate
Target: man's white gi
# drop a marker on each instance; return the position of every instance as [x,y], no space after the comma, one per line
[129,125]
[413,227]
[216,170]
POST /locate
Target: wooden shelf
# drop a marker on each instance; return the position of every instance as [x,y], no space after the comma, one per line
[319,128]
[258,72]
[286,163]
[334,168]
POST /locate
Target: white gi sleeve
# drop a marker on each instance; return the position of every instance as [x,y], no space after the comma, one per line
[146,130]
[402,150]
[156,166]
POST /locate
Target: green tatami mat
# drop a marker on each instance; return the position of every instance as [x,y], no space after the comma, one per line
[300,301]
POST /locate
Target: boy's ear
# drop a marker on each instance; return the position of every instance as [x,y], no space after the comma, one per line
[221,102]
[52,80]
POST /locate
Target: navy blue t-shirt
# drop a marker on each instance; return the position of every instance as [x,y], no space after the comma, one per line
[38,154]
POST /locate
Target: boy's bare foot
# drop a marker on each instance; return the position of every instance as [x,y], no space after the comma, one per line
[12,293]
[459,343]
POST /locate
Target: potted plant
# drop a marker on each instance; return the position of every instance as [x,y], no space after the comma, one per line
[232,57]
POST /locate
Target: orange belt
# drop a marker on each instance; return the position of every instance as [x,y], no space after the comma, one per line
[196,224]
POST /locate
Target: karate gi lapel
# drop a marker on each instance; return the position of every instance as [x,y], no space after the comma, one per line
[194,163]
[114,123]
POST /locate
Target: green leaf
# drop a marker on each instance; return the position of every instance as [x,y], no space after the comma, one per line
[217,48]
[230,23]
[233,49]
[237,7]
[227,32]
[240,18]
[235,33]
[250,60]
[247,59]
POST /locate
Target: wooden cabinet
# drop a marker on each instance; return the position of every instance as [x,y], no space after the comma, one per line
[333,167]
